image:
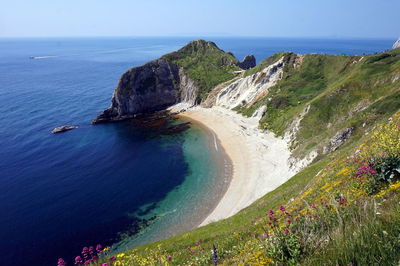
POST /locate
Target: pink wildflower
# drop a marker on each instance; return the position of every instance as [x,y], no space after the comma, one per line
[61,262]
[342,201]
[282,208]
[99,248]
[78,260]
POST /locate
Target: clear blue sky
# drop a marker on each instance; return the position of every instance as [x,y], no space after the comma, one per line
[269,18]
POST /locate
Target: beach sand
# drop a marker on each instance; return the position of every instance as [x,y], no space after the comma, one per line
[259,159]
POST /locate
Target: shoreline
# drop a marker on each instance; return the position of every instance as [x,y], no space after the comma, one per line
[259,159]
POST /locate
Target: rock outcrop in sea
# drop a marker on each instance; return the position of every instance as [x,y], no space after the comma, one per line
[62,129]
[248,62]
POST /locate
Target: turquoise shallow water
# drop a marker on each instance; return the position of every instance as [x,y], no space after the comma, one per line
[59,193]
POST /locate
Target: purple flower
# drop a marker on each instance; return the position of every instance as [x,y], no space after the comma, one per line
[169,257]
[271,212]
[112,258]
[282,208]
[286,231]
[289,221]
[104,264]
[313,206]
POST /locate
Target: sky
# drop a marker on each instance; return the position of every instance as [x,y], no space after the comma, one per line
[261,18]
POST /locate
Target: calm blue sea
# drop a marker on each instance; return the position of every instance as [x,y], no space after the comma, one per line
[59,193]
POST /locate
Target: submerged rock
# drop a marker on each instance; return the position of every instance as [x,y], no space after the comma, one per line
[62,129]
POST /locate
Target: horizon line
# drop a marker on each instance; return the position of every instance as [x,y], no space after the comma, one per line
[198,36]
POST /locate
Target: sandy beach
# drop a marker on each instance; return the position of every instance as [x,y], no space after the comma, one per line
[259,159]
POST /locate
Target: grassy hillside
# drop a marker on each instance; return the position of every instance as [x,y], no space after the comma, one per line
[342,92]
[205,64]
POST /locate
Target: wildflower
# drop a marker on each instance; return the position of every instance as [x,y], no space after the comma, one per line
[85,252]
[342,201]
[61,262]
[78,260]
[265,235]
[104,264]
[169,257]
[282,208]
[112,258]
[271,212]
[289,221]
[313,206]
[197,243]
[99,248]
[120,255]
[91,250]
[286,231]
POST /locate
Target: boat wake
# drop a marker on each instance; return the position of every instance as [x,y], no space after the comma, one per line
[42,57]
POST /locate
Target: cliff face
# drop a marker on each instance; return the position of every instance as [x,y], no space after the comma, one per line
[396,44]
[247,90]
[147,88]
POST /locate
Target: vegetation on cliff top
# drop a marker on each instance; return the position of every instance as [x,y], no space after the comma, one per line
[205,64]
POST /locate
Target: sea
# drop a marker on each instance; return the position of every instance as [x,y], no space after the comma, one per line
[120,184]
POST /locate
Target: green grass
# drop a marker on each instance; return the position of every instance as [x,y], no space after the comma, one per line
[205,64]
[368,238]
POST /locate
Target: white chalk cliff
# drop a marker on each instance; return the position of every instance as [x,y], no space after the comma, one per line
[247,90]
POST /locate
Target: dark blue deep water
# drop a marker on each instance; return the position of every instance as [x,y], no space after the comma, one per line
[59,193]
